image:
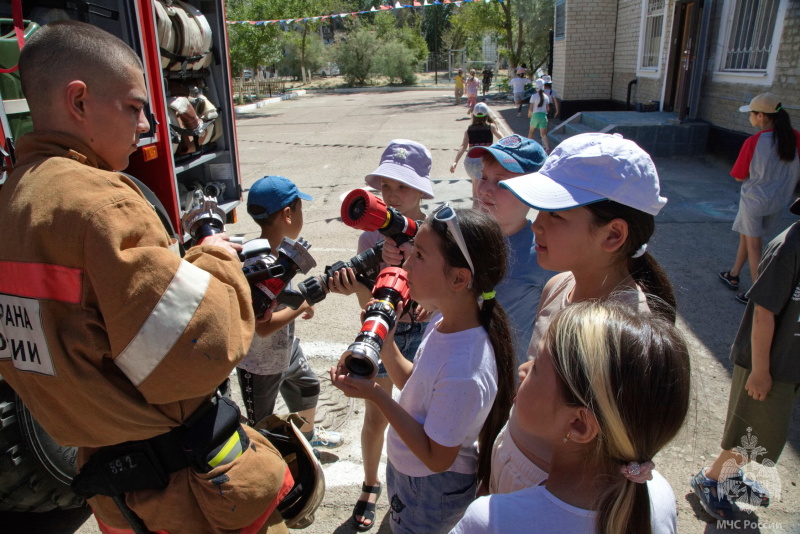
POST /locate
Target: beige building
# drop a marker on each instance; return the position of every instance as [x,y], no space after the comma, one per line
[701,59]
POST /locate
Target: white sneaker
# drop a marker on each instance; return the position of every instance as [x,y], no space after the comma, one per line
[325,438]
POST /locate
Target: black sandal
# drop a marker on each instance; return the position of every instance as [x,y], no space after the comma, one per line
[732,282]
[366,509]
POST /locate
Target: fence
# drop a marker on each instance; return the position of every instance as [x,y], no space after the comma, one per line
[255,89]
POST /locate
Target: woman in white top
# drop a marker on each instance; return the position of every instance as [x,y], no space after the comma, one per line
[607,390]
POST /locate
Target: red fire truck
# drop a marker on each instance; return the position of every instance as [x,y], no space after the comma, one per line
[191,146]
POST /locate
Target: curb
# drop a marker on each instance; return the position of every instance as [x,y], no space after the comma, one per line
[246,108]
[381,89]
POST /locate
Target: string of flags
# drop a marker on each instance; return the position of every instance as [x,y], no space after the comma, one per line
[425,3]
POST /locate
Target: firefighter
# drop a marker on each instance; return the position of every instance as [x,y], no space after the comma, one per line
[114,342]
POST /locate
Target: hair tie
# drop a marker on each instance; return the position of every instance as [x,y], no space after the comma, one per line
[638,473]
[488,295]
[640,251]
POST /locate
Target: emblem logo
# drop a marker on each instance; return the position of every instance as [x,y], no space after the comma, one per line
[400,153]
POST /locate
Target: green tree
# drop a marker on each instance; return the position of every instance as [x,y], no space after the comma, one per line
[522,28]
[302,53]
[253,45]
[396,61]
[355,53]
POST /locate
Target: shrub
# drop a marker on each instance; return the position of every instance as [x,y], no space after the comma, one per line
[355,55]
[396,61]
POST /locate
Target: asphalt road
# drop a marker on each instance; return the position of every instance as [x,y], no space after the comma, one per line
[328,142]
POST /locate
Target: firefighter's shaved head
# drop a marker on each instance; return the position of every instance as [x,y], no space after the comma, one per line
[64,51]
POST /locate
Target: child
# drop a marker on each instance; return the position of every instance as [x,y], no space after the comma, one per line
[522,285]
[462,379]
[521,288]
[403,178]
[518,89]
[537,113]
[275,360]
[766,380]
[488,74]
[553,109]
[607,390]
[481,132]
[459,86]
[472,91]
[769,167]
[597,196]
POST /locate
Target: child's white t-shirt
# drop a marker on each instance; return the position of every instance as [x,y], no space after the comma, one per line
[518,84]
[450,391]
[512,513]
[535,107]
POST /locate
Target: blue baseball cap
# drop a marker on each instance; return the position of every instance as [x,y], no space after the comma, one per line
[515,153]
[271,194]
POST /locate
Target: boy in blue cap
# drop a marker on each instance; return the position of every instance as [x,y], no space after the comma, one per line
[275,360]
[520,290]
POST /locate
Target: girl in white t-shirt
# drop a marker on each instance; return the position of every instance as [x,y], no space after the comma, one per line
[608,389]
[597,196]
[456,394]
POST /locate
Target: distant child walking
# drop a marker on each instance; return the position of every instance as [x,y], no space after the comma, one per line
[554,109]
[459,90]
[517,85]
[403,179]
[768,167]
[481,132]
[608,389]
[597,196]
[459,389]
[765,386]
[537,113]
[472,90]
[275,361]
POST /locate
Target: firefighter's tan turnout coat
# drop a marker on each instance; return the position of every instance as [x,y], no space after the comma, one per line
[108,336]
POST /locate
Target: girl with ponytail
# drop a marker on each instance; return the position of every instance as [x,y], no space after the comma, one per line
[537,113]
[769,168]
[597,196]
[608,388]
[459,389]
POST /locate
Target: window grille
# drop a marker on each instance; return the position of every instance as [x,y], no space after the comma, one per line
[653,31]
[561,19]
[749,42]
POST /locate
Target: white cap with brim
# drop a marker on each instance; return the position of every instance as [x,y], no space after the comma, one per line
[588,168]
[407,162]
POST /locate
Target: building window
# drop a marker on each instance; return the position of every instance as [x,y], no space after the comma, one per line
[750,37]
[653,32]
[561,19]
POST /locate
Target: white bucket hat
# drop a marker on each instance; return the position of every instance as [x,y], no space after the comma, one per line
[588,168]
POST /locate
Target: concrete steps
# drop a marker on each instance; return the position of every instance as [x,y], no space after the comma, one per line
[659,133]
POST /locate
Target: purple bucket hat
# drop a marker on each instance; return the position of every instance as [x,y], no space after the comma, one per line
[407,162]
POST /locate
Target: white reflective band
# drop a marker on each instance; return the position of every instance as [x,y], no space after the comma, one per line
[165,324]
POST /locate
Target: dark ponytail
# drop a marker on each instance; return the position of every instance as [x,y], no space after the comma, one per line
[646,271]
[785,138]
[541,97]
[487,249]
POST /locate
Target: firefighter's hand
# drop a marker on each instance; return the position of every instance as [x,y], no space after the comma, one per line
[394,255]
[224,241]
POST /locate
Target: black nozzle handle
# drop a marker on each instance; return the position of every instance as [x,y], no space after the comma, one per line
[291,298]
